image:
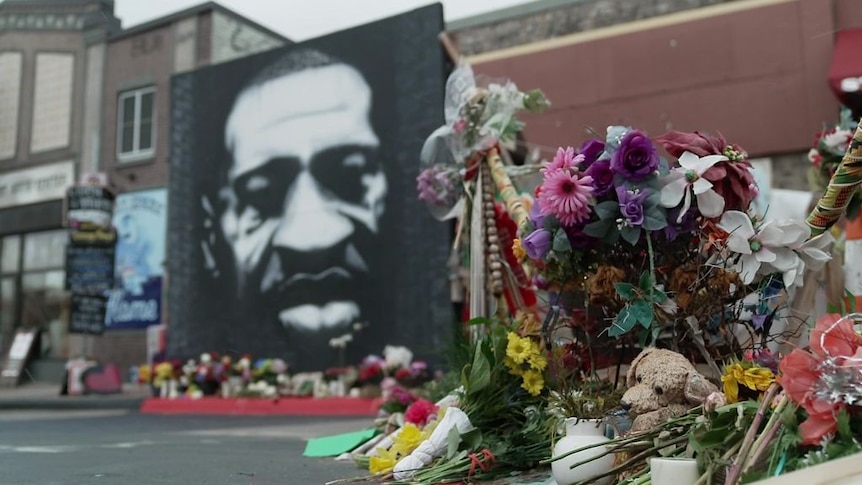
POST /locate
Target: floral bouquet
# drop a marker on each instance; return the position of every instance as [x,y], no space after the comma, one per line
[659,247]
[371,370]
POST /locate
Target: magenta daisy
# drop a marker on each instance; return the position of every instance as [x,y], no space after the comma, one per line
[565,194]
[565,158]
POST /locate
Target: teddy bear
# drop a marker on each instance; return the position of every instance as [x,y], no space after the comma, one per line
[663,384]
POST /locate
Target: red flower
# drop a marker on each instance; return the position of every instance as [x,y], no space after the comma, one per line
[732,179]
[833,337]
[419,412]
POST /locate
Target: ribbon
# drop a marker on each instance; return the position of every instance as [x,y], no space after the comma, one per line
[845,181]
[484,461]
[507,191]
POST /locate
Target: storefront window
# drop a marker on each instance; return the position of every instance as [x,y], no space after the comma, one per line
[45,305]
[8,302]
[11,254]
[45,250]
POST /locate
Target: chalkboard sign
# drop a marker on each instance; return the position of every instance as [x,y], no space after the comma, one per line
[88,314]
[89,270]
[89,204]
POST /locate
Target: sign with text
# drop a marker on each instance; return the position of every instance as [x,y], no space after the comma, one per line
[88,314]
[89,269]
[89,204]
[140,219]
[39,184]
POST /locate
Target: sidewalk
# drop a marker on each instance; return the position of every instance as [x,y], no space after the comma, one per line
[46,395]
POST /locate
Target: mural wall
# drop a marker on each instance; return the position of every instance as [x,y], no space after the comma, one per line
[293,215]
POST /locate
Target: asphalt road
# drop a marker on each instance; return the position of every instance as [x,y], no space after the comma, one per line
[110,447]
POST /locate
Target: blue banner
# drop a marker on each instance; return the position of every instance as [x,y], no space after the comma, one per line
[140,219]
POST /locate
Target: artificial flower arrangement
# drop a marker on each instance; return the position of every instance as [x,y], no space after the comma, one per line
[660,246]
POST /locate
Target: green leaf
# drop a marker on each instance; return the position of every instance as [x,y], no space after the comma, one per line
[830,308]
[631,234]
[654,223]
[642,311]
[472,438]
[646,281]
[608,210]
[453,440]
[561,242]
[480,372]
[843,420]
[852,299]
[658,296]
[479,321]
[626,290]
[624,322]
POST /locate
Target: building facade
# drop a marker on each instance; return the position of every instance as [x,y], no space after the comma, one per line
[50,64]
[79,95]
[758,71]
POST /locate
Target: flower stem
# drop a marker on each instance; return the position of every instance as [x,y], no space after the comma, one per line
[772,426]
[735,470]
[651,254]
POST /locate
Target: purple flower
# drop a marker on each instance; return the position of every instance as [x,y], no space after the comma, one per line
[632,204]
[603,177]
[637,157]
[536,216]
[540,282]
[537,244]
[688,225]
[577,238]
[591,150]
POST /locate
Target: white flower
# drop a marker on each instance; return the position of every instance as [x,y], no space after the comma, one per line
[688,178]
[397,357]
[765,250]
[838,140]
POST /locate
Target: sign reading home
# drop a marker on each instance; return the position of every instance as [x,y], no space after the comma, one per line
[39,184]
[293,212]
[140,219]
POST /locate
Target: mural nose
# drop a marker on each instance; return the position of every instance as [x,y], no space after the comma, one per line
[310,219]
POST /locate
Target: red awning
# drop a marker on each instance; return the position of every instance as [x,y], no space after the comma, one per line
[845,73]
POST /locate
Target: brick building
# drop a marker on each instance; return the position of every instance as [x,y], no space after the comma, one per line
[765,73]
[80,95]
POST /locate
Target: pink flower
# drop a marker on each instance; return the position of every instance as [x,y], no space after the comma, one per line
[565,194]
[564,159]
[419,412]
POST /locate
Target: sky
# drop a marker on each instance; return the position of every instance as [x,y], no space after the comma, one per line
[299,20]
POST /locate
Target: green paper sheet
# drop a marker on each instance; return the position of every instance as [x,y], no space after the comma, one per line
[337,444]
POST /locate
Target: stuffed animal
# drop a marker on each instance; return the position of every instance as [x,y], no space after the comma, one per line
[663,384]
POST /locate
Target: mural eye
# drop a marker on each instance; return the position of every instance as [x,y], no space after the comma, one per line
[263,190]
[339,170]
[659,391]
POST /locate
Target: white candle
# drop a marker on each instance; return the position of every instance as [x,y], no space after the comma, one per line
[673,471]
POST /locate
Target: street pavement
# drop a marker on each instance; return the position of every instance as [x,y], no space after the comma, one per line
[117,446]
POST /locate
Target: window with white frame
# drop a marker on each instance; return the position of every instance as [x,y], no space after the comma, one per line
[136,124]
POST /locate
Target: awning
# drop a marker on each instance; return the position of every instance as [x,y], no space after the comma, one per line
[845,73]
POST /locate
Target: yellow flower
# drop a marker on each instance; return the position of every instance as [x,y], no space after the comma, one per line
[406,440]
[382,462]
[518,349]
[513,366]
[537,360]
[533,382]
[758,378]
[753,377]
[518,249]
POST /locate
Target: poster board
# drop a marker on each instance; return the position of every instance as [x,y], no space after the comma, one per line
[18,356]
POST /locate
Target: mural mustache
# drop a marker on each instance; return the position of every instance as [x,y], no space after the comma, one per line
[312,290]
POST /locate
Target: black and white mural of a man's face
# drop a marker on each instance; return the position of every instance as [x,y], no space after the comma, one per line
[305,194]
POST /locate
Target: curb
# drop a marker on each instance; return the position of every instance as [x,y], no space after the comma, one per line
[72,403]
